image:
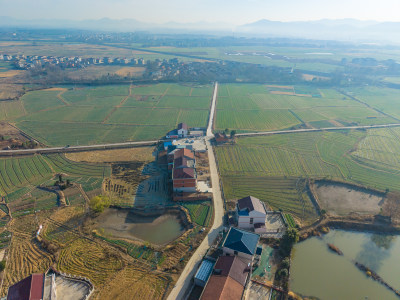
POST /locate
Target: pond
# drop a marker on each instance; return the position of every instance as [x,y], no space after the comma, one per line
[159,230]
[319,272]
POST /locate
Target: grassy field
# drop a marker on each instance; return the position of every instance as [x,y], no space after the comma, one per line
[90,115]
[270,167]
[250,107]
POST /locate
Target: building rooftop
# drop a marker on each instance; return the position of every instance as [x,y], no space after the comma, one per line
[251,203]
[234,267]
[204,271]
[182,162]
[182,126]
[184,152]
[183,173]
[30,288]
[222,288]
[241,241]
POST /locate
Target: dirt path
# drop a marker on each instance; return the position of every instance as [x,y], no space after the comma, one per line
[59,96]
[119,105]
[87,200]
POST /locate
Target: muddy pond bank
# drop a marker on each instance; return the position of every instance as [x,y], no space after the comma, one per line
[157,228]
[341,198]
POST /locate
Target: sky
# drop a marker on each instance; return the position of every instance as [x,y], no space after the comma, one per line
[236,12]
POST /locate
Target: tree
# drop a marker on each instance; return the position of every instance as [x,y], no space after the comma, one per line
[285,264]
[99,203]
[233,134]
[60,178]
[283,273]
[226,131]
[290,238]
[68,182]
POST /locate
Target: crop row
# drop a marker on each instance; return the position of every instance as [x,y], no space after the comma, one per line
[18,172]
[200,213]
[290,221]
[138,252]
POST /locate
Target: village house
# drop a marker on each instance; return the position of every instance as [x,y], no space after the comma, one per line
[240,243]
[221,138]
[250,213]
[180,132]
[179,151]
[228,280]
[184,180]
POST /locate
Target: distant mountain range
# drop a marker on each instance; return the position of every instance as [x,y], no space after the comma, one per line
[343,29]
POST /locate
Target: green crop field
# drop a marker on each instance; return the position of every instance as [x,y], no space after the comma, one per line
[108,114]
[251,107]
[19,178]
[269,167]
[200,213]
[384,99]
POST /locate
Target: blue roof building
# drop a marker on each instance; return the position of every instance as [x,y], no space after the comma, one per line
[203,273]
[241,243]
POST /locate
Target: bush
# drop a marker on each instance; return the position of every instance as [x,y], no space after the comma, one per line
[2,265]
[99,203]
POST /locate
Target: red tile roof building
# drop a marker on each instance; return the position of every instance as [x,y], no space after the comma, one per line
[30,288]
[228,280]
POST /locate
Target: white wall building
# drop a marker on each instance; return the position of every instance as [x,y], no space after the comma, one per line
[250,211]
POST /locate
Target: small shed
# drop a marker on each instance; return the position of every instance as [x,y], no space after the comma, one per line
[203,273]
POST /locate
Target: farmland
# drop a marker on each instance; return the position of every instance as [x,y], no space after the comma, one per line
[200,213]
[91,115]
[19,178]
[250,107]
[274,168]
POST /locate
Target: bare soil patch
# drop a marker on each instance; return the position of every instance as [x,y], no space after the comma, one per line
[10,91]
[342,199]
[309,77]
[56,89]
[143,154]
[130,71]
[281,87]
[11,135]
[281,93]
[10,73]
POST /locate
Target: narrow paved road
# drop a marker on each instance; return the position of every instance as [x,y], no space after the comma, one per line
[76,148]
[184,281]
[316,129]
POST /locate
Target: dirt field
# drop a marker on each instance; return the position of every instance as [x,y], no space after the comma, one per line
[309,77]
[118,155]
[10,73]
[281,93]
[131,71]
[10,135]
[134,282]
[342,199]
[287,87]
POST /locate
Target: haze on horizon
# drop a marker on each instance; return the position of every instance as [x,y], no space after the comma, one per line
[235,12]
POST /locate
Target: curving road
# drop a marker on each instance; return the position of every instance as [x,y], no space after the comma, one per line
[185,279]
